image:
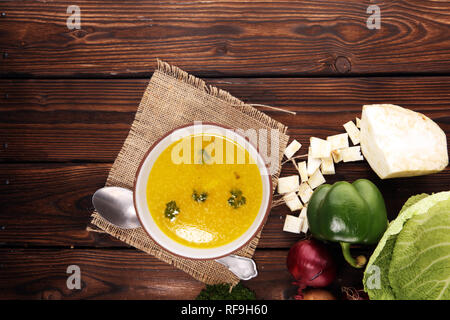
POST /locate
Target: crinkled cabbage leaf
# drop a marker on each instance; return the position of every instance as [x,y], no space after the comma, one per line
[412,259]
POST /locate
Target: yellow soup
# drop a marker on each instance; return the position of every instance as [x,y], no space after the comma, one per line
[204,191]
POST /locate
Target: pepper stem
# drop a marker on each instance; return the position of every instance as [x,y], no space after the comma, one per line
[359,262]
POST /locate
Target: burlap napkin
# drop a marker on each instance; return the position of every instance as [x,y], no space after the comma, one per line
[174,98]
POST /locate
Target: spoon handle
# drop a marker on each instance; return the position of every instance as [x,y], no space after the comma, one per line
[244,268]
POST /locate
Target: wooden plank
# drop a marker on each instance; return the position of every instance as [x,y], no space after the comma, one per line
[88,120]
[50,204]
[66,119]
[105,274]
[130,274]
[224,38]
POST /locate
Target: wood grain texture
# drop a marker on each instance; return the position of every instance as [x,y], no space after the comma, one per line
[130,274]
[50,204]
[105,274]
[58,137]
[218,38]
[88,120]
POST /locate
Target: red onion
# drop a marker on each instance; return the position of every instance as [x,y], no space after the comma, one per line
[311,265]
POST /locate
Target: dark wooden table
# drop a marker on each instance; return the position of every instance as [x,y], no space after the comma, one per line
[68,97]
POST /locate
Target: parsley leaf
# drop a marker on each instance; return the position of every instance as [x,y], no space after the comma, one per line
[172,210]
[199,197]
[237,199]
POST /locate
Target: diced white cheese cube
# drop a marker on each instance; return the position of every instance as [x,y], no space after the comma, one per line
[337,155]
[288,184]
[292,201]
[358,122]
[398,142]
[353,132]
[316,179]
[327,166]
[319,148]
[305,226]
[292,224]
[292,148]
[338,141]
[313,163]
[352,154]
[305,192]
[303,213]
[303,171]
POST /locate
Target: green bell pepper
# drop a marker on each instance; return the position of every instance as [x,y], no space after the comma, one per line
[348,213]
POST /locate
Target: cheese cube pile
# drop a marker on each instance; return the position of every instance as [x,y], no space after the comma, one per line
[322,156]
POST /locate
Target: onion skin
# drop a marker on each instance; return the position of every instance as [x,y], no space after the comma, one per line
[318,294]
[354,294]
[311,265]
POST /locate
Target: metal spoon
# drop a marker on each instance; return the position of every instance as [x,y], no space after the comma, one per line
[116,205]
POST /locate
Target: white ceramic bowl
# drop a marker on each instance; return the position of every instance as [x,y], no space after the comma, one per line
[146,219]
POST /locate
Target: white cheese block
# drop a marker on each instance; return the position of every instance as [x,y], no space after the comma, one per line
[303,171]
[337,155]
[319,148]
[398,142]
[313,163]
[292,148]
[305,192]
[338,141]
[353,132]
[292,224]
[292,201]
[358,123]
[305,226]
[316,179]
[352,154]
[327,166]
[288,184]
[303,213]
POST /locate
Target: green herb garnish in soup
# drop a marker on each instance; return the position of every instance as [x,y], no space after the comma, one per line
[205,193]
[199,197]
[171,210]
[237,199]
